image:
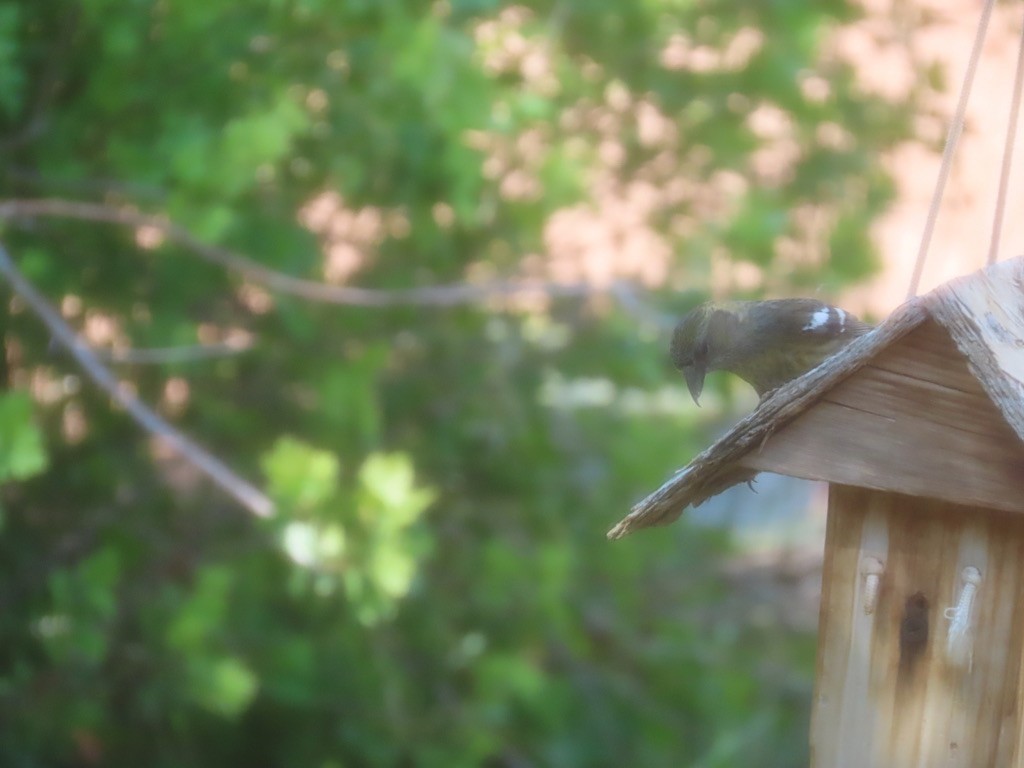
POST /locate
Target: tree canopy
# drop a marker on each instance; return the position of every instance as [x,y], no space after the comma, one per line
[402,266]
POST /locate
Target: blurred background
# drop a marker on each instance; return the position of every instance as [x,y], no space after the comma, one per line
[530,192]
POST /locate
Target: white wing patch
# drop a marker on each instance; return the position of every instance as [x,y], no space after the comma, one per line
[819,319]
[827,319]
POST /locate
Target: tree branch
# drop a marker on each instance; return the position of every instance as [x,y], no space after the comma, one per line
[434,296]
[167,355]
[242,491]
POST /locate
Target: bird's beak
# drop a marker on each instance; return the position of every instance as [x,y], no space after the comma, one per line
[694,374]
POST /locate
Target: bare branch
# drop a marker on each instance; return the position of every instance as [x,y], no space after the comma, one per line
[242,491]
[435,296]
[28,177]
[631,301]
[167,355]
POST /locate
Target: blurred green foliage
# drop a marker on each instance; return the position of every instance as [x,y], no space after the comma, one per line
[22,454]
[435,588]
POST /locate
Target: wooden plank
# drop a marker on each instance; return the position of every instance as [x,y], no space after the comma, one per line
[873,707]
[984,314]
[843,714]
[914,421]
[930,355]
[945,406]
[896,452]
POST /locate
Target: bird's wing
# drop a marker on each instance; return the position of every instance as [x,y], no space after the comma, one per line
[810,318]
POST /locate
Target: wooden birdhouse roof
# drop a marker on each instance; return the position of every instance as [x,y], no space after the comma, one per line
[930,403]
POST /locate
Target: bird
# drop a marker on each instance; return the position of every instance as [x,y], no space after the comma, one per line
[765,343]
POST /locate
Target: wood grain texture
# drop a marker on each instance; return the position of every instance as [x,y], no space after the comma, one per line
[915,421]
[869,713]
[984,313]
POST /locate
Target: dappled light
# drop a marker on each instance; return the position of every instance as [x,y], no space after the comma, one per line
[336,335]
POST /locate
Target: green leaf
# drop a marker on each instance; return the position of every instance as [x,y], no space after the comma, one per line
[393,501]
[200,615]
[83,606]
[225,685]
[301,477]
[22,454]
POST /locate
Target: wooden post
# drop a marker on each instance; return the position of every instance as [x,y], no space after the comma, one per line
[891,689]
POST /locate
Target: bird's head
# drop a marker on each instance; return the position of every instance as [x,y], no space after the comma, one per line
[689,349]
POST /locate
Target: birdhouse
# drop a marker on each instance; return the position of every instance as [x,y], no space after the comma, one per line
[918,427]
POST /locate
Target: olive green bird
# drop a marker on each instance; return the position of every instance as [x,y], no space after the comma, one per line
[765,343]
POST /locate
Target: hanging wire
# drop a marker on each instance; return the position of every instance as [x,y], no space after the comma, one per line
[1011,136]
[955,129]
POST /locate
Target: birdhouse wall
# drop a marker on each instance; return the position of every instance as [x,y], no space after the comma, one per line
[900,680]
[913,420]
